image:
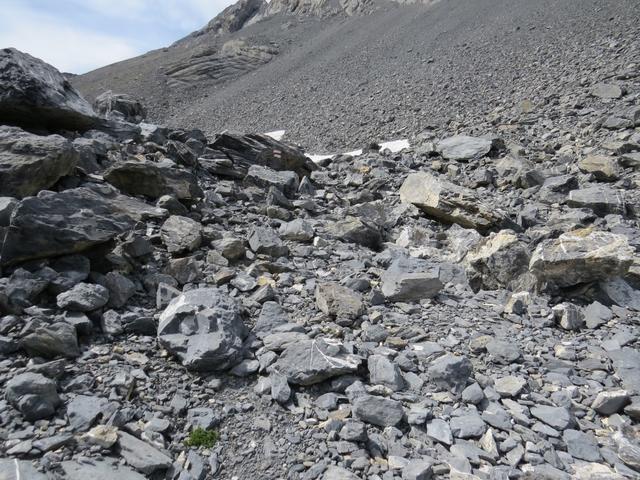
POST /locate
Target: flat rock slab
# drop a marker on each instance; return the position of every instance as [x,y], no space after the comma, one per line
[98,470]
[142,456]
[463,147]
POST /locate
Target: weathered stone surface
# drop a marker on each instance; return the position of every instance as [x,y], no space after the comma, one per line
[181,234]
[581,445]
[72,221]
[601,199]
[266,241]
[84,297]
[84,410]
[264,177]
[450,203]
[606,91]
[34,94]
[98,470]
[120,106]
[33,394]
[568,316]
[51,341]
[602,167]
[355,230]
[136,177]
[409,279]
[338,473]
[30,163]
[339,302]
[298,230]
[142,456]
[608,403]
[313,361]
[450,372]
[559,418]
[204,328]
[255,149]
[463,147]
[379,411]
[382,371]
[499,260]
[14,469]
[581,256]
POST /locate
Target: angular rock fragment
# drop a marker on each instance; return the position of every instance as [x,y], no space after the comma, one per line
[56,340]
[338,302]
[601,199]
[204,328]
[382,371]
[409,279]
[98,470]
[264,177]
[120,106]
[450,372]
[33,394]
[141,455]
[499,260]
[602,167]
[463,147]
[152,180]
[71,221]
[450,203]
[266,241]
[581,256]
[255,149]
[354,230]
[30,163]
[313,361]
[606,91]
[83,297]
[181,234]
[33,94]
[379,411]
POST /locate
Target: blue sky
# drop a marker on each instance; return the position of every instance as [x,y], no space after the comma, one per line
[80,35]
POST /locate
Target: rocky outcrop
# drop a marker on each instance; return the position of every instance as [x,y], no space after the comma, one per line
[30,163]
[34,94]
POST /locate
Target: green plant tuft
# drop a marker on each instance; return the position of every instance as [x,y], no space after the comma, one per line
[199,437]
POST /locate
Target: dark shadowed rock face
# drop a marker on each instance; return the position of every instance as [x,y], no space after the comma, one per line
[30,163]
[71,221]
[33,94]
[255,149]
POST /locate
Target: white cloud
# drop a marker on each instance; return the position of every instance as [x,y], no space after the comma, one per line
[99,32]
[68,48]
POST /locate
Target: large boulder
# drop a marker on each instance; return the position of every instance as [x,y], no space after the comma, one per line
[450,203]
[30,163]
[463,147]
[71,221]
[120,106]
[265,177]
[152,180]
[181,234]
[313,361]
[354,230]
[410,279]
[204,328]
[33,394]
[256,149]
[338,302]
[33,94]
[581,256]
[499,260]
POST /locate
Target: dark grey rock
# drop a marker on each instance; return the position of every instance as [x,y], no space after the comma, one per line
[56,340]
[83,297]
[36,95]
[379,411]
[181,234]
[450,372]
[120,106]
[306,362]
[266,241]
[34,395]
[204,328]
[30,163]
[410,279]
[338,302]
[142,456]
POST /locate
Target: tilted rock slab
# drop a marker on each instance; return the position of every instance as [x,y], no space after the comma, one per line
[71,221]
[450,203]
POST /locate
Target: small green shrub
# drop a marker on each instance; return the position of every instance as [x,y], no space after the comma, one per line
[199,437]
